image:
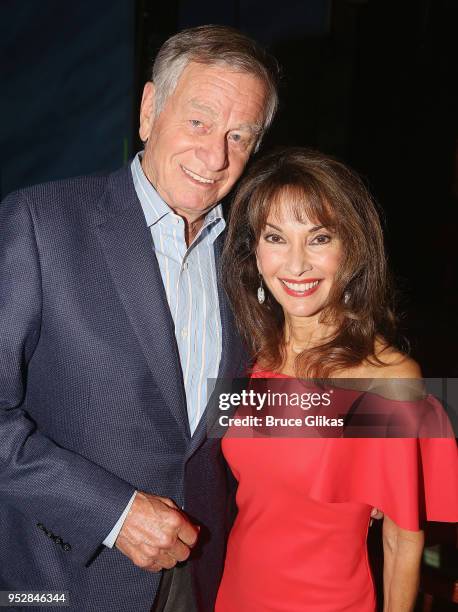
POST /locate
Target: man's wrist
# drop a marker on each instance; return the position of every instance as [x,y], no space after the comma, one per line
[111,538]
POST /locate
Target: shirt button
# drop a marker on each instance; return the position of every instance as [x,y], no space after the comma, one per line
[185,265]
[184,332]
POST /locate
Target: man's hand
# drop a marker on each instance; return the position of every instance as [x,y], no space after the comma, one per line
[156,534]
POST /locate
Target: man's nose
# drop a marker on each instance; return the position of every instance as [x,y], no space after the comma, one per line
[298,260]
[213,152]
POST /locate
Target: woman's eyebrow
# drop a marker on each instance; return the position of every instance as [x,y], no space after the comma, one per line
[316,228]
[274,227]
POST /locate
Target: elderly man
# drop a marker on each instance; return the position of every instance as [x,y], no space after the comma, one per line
[111,321]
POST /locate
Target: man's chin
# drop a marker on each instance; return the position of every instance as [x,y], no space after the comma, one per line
[201,198]
[197,208]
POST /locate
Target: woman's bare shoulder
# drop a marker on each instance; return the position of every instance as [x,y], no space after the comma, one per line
[394,374]
[395,363]
[387,362]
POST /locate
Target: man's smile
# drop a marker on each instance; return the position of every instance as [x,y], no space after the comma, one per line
[197,177]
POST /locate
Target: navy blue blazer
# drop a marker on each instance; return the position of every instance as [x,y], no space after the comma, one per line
[92,402]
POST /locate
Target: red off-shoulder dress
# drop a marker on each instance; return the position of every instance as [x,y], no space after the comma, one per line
[299,540]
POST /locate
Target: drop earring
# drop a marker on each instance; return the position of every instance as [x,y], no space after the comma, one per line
[346,297]
[261,292]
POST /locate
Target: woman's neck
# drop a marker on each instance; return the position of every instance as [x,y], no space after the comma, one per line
[302,333]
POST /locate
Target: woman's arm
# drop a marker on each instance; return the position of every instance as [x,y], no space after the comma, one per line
[402,551]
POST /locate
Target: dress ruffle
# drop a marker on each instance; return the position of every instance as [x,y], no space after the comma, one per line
[411,480]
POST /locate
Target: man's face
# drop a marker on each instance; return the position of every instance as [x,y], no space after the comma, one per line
[199,144]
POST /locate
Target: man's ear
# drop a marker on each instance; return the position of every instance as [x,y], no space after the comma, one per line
[147,111]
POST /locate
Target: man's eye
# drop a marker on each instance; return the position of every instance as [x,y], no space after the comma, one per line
[274,238]
[321,239]
[240,139]
[196,123]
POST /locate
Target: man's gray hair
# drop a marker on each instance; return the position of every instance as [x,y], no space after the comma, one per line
[214,45]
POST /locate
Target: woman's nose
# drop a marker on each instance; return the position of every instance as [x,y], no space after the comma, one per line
[298,261]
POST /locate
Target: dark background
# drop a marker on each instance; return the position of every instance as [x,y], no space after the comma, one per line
[370,81]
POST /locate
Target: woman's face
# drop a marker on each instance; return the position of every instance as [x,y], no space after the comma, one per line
[298,262]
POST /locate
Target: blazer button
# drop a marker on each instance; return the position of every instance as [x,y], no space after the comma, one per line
[66,547]
[58,541]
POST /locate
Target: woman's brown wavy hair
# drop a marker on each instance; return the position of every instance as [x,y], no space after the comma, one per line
[319,188]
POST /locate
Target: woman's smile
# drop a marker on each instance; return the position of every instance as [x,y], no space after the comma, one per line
[301,288]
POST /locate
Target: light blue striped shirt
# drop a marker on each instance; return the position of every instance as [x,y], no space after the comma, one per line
[189,277]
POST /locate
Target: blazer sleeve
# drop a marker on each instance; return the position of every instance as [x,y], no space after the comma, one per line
[74,498]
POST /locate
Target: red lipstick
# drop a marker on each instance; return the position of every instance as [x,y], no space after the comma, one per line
[293,293]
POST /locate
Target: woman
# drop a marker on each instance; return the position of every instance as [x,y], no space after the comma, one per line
[305,270]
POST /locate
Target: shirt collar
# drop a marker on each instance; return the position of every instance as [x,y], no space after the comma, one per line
[154,207]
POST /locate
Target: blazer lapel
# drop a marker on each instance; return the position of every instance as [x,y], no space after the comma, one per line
[129,252]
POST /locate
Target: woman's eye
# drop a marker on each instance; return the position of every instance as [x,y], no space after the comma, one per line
[274,238]
[321,239]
